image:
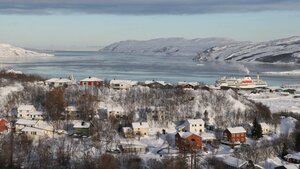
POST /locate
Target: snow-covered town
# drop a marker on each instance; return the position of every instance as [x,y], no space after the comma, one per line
[95,123]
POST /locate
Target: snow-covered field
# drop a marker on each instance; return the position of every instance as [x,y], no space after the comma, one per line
[277,102]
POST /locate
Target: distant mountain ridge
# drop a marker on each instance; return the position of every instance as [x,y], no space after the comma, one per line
[166,46]
[285,50]
[8,51]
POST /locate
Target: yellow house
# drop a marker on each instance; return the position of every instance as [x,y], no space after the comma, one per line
[140,128]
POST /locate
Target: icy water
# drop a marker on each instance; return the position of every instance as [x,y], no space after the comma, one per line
[168,68]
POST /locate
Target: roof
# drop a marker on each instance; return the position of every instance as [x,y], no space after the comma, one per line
[189,83]
[26,107]
[82,124]
[208,136]
[232,161]
[126,129]
[37,113]
[154,81]
[290,166]
[91,79]
[295,156]
[43,125]
[71,108]
[236,130]
[140,125]
[26,122]
[186,134]
[264,125]
[123,81]
[58,80]
[193,121]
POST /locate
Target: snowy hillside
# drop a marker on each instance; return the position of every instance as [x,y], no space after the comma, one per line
[166,46]
[11,52]
[277,51]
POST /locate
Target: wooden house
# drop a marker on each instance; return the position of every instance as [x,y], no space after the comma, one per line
[3,125]
[235,135]
[82,128]
[187,141]
[91,81]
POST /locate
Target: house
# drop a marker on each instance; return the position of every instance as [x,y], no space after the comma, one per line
[71,112]
[293,158]
[82,128]
[192,125]
[21,123]
[265,128]
[127,132]
[188,85]
[157,84]
[140,128]
[116,112]
[235,135]
[60,82]
[232,162]
[122,84]
[208,138]
[40,128]
[156,116]
[187,141]
[91,81]
[133,148]
[29,112]
[3,125]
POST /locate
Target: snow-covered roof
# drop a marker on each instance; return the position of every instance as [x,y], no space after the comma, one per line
[59,80]
[91,79]
[295,156]
[232,161]
[186,134]
[37,113]
[236,130]
[26,122]
[189,83]
[82,124]
[208,136]
[291,166]
[130,82]
[25,107]
[43,125]
[264,125]
[147,82]
[195,121]
[140,125]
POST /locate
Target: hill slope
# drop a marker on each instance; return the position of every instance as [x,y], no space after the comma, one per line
[277,51]
[11,52]
[166,46]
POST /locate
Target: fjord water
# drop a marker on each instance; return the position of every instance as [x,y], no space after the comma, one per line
[82,64]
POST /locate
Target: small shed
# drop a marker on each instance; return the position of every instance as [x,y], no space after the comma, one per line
[82,128]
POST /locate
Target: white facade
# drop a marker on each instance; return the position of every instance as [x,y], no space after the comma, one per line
[122,84]
[21,123]
[141,128]
[29,112]
[195,126]
[40,128]
[265,128]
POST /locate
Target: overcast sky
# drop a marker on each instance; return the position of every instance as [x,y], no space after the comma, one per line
[86,24]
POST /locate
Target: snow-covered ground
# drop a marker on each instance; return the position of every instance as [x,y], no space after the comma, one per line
[9,52]
[5,91]
[277,101]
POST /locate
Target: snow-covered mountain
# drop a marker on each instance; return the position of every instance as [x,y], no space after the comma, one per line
[277,51]
[11,52]
[166,46]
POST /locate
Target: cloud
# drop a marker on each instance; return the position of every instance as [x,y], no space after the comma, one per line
[143,7]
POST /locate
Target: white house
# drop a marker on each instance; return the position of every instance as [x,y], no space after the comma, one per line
[29,112]
[195,126]
[21,123]
[265,128]
[40,128]
[122,84]
[140,128]
[60,82]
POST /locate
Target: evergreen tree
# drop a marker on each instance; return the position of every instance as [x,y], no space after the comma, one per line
[256,130]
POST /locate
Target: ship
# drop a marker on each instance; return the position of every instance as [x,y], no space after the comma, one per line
[241,83]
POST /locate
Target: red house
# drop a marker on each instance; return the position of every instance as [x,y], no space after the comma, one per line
[3,125]
[187,141]
[235,135]
[91,81]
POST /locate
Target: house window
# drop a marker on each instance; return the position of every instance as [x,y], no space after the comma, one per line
[200,124]
[200,130]
[145,133]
